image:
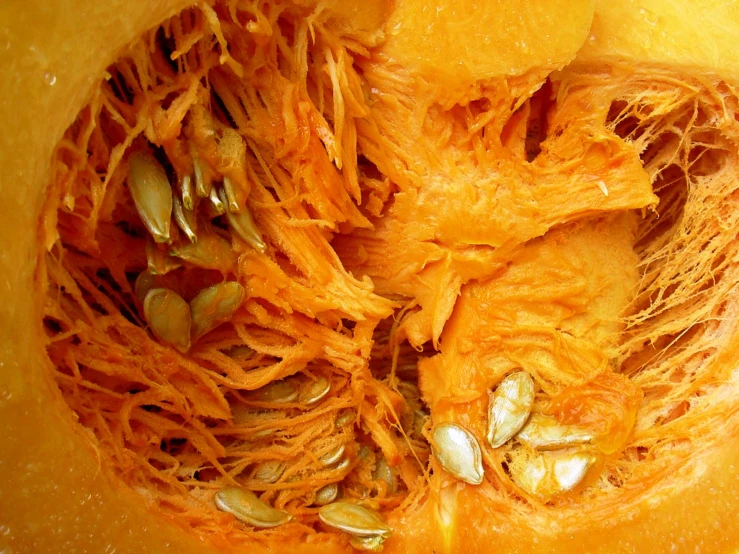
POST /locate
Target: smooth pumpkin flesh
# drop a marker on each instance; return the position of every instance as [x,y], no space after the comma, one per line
[436,215]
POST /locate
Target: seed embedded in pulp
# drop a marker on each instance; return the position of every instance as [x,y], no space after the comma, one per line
[246,507]
[276,392]
[312,392]
[332,456]
[185,220]
[510,407]
[551,473]
[269,471]
[210,252]
[151,193]
[544,432]
[243,225]
[458,452]
[168,316]
[326,495]
[353,519]
[369,544]
[214,305]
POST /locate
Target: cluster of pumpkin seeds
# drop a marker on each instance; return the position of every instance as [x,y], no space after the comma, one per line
[549,462]
[170,318]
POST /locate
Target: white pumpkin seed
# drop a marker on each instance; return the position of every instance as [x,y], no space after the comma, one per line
[551,473]
[151,193]
[276,392]
[344,418]
[458,452]
[243,225]
[353,519]
[510,407]
[168,316]
[214,305]
[158,261]
[202,179]
[269,471]
[185,220]
[230,193]
[369,544]
[332,456]
[544,432]
[385,473]
[327,494]
[313,392]
[246,507]
[209,252]
[218,204]
[187,193]
[144,283]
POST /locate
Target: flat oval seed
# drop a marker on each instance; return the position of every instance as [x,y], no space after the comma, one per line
[384,472]
[214,305]
[314,391]
[544,432]
[269,471]
[369,544]
[277,392]
[458,452]
[210,252]
[332,456]
[187,199]
[185,220]
[144,283]
[151,193]
[326,495]
[344,418]
[168,316]
[218,204]
[158,261]
[510,407]
[243,225]
[202,179]
[229,190]
[552,473]
[353,519]
[246,507]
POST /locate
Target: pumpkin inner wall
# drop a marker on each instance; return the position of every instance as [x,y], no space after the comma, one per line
[647,233]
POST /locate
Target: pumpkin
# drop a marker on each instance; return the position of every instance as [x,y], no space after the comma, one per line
[322,276]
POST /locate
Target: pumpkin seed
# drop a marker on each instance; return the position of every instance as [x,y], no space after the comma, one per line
[239,352]
[246,507]
[544,432]
[214,305]
[210,252]
[353,519]
[202,180]
[458,452]
[168,316]
[144,283]
[158,261]
[187,198]
[332,456]
[345,463]
[151,193]
[385,473]
[369,544]
[269,471]
[185,220]
[276,392]
[344,418]
[551,473]
[314,391]
[243,225]
[218,204]
[510,407]
[327,494]
[230,193]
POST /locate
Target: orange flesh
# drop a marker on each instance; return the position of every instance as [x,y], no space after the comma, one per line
[501,231]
